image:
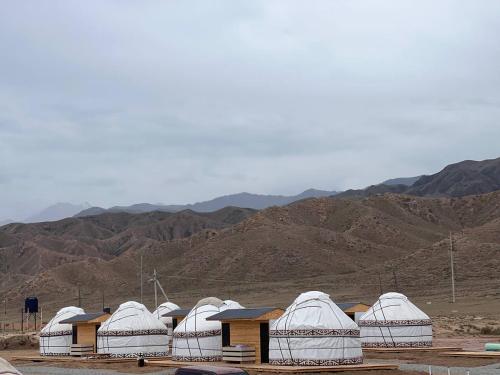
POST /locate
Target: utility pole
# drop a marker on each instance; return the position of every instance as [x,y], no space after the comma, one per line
[141,277]
[395,280]
[452,270]
[156,292]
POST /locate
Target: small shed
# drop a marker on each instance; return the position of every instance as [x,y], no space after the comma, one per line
[85,327]
[354,309]
[248,327]
[177,316]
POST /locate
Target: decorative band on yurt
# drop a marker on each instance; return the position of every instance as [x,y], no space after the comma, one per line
[316,362]
[315,333]
[410,344]
[57,333]
[184,335]
[139,332]
[206,358]
[394,323]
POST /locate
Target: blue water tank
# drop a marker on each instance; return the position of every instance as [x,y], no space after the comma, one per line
[31,305]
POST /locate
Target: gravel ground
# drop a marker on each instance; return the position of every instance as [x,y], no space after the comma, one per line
[439,370]
[49,370]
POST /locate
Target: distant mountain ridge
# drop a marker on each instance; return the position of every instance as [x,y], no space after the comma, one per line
[407,181]
[468,177]
[56,212]
[243,200]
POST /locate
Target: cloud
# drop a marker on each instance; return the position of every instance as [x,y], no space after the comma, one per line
[117,102]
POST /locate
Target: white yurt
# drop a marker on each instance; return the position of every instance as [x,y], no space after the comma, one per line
[393,321]
[132,331]
[56,338]
[197,339]
[314,331]
[164,308]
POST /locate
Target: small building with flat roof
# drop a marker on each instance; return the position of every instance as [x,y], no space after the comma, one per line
[85,327]
[248,327]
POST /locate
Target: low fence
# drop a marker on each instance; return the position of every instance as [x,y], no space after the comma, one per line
[12,327]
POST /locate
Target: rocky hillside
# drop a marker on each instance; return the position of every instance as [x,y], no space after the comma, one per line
[468,177]
[326,243]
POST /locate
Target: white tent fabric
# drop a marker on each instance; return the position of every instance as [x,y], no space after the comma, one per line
[314,331]
[7,369]
[132,331]
[393,321]
[198,339]
[164,308]
[56,338]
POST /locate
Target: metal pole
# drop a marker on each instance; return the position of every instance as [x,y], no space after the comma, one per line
[395,280]
[452,270]
[156,293]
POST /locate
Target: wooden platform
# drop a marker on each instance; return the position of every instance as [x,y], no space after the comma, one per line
[413,350]
[69,359]
[471,354]
[278,369]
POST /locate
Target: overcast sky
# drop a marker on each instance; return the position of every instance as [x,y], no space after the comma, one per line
[120,102]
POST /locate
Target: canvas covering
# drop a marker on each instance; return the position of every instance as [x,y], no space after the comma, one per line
[197,339]
[393,321]
[56,338]
[314,331]
[132,331]
[162,309]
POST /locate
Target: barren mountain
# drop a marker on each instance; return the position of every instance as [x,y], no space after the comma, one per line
[246,200]
[350,246]
[468,177]
[456,180]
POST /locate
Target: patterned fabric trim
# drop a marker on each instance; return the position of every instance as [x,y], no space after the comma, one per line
[57,333]
[142,332]
[392,323]
[183,335]
[135,355]
[217,358]
[314,332]
[415,344]
[316,362]
[54,354]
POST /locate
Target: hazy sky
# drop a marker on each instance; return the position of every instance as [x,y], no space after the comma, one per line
[119,102]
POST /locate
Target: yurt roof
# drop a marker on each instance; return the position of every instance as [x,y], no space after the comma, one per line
[131,316]
[165,308]
[209,301]
[314,310]
[394,307]
[55,324]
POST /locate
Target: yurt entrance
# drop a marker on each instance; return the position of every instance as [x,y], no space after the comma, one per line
[264,342]
[75,335]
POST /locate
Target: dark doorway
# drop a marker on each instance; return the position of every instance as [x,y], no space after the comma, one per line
[97,326]
[264,342]
[226,335]
[75,334]
[174,323]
